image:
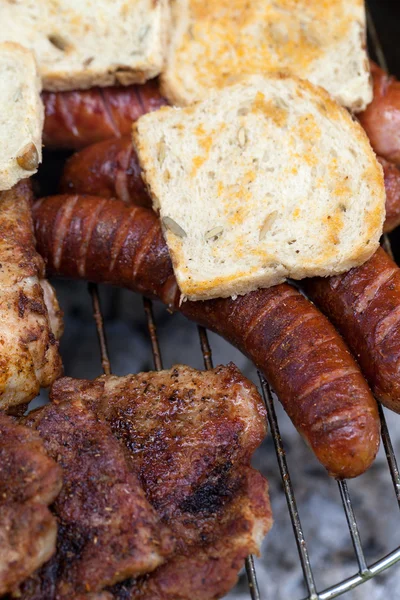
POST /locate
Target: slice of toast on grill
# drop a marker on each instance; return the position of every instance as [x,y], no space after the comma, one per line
[21,115]
[214,42]
[267,179]
[80,44]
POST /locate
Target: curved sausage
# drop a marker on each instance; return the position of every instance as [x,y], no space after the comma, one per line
[364,305]
[392,186]
[111,169]
[287,338]
[381,119]
[79,118]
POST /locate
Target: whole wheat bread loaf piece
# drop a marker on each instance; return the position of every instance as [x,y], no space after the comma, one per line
[266,179]
[80,44]
[21,115]
[212,42]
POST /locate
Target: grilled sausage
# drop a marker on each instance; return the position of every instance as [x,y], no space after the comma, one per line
[392,186]
[287,338]
[364,304]
[111,169]
[79,118]
[381,119]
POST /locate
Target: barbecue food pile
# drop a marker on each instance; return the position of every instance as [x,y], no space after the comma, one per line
[158,499]
[141,486]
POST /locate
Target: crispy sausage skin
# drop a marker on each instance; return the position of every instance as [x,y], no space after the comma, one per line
[381,119]
[364,304]
[287,338]
[76,119]
[392,186]
[110,169]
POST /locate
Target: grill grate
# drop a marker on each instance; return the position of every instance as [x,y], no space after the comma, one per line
[365,571]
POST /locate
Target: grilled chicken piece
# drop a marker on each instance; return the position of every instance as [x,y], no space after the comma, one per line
[29,481]
[190,435]
[107,529]
[30,319]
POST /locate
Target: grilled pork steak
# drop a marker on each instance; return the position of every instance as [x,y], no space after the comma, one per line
[190,436]
[107,529]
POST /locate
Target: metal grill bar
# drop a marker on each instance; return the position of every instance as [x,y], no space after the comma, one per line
[98,317]
[205,348]
[288,489]
[353,527]
[365,572]
[391,458]
[155,347]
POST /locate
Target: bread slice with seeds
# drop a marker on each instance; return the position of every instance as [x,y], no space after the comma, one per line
[21,115]
[79,44]
[214,42]
[264,180]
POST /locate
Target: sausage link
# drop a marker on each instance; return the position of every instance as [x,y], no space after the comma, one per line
[79,118]
[392,186]
[111,169]
[364,305]
[287,338]
[381,119]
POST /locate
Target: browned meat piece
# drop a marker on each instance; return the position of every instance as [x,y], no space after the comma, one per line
[191,435]
[107,529]
[29,481]
[29,355]
[208,570]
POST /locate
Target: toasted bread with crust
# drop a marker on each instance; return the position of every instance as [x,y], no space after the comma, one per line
[82,44]
[213,42]
[267,179]
[21,115]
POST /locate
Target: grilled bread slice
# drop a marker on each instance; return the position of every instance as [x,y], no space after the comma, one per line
[21,115]
[267,179]
[82,44]
[214,42]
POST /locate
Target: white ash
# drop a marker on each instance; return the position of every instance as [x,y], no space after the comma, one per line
[325,529]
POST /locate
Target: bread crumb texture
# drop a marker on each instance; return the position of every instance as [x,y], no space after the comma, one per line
[266,179]
[21,115]
[79,44]
[213,43]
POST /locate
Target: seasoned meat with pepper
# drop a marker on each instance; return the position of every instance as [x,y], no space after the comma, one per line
[29,482]
[190,436]
[107,529]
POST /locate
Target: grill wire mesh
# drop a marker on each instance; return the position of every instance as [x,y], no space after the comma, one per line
[365,571]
